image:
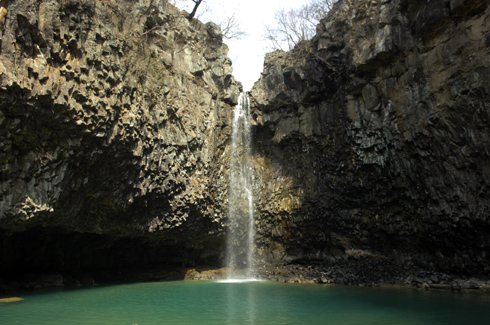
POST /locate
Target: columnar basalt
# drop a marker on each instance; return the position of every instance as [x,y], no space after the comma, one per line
[371,141]
[374,136]
[114,119]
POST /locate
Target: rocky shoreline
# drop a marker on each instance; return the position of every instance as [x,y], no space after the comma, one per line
[347,270]
[361,272]
[334,275]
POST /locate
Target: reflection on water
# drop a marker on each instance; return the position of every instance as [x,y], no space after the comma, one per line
[240,305]
[245,303]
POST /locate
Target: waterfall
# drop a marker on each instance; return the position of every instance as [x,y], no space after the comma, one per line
[241,230]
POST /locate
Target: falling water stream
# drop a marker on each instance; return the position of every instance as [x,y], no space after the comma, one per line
[241,233]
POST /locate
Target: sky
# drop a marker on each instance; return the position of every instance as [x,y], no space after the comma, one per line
[247,54]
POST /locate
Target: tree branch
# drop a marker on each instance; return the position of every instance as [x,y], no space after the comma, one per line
[193,13]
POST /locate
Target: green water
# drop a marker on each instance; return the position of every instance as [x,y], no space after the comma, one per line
[245,303]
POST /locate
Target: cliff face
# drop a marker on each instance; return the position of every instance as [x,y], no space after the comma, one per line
[113,122]
[371,140]
[375,136]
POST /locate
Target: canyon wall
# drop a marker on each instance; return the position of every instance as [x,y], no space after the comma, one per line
[374,137]
[114,124]
[371,140]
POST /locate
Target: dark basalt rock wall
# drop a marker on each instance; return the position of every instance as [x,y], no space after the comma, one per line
[375,136]
[113,130]
[371,140]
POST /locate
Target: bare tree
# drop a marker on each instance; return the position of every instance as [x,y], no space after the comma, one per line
[296,25]
[290,29]
[230,28]
[194,4]
[319,8]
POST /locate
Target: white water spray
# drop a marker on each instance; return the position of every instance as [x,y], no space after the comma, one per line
[241,230]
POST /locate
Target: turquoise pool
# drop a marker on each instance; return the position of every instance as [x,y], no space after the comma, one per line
[185,302]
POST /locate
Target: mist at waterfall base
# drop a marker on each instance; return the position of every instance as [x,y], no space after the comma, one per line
[206,302]
[240,225]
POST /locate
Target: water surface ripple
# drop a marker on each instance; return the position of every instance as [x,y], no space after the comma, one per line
[186,302]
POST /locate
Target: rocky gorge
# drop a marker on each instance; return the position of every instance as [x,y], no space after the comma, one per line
[371,144]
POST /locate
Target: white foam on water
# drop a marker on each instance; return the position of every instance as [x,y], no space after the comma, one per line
[239,280]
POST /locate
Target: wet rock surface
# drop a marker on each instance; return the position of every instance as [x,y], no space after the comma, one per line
[374,136]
